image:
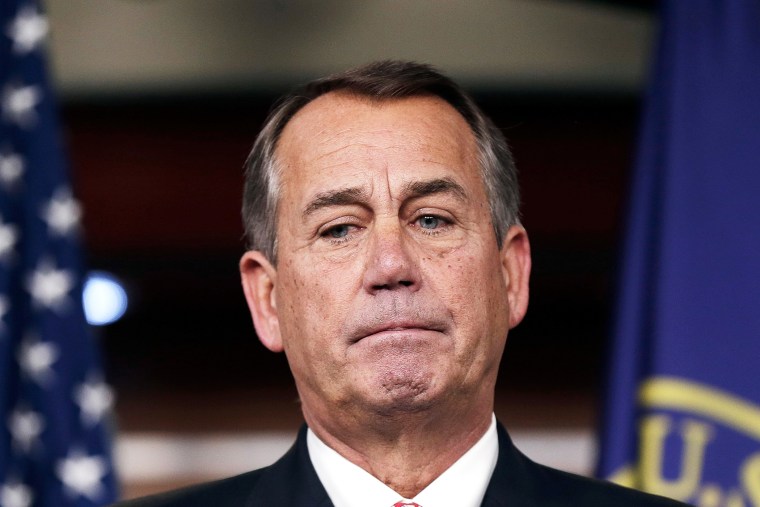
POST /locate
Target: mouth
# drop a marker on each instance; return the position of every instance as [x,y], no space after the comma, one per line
[396,328]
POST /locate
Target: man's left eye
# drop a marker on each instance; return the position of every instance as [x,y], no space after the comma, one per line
[429,222]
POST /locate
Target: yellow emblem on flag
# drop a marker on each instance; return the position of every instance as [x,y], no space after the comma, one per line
[700,411]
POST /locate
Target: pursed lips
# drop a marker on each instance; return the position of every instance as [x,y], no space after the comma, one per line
[396,327]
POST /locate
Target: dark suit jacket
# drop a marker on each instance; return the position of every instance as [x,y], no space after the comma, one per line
[516,482]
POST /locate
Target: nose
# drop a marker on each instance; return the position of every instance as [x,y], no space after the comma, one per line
[391,261]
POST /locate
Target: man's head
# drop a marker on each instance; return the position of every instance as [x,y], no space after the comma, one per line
[392,294]
[377,81]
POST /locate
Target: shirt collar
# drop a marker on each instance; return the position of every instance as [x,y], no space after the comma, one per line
[463,484]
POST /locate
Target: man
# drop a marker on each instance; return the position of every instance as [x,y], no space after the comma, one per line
[388,263]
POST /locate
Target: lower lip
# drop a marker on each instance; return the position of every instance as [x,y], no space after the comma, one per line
[405,333]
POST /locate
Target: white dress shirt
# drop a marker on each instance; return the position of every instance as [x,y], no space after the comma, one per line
[463,484]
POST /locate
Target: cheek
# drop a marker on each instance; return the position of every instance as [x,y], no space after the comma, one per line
[475,293]
[470,280]
[304,324]
[312,300]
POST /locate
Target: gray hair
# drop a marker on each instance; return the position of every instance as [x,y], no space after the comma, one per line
[378,80]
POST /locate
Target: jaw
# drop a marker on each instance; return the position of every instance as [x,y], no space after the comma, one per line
[390,402]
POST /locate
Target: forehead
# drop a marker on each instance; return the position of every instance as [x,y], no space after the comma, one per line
[340,126]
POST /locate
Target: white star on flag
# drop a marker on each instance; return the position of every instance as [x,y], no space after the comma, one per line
[36,359]
[49,287]
[27,30]
[15,494]
[25,427]
[11,169]
[19,103]
[8,239]
[50,394]
[95,399]
[82,474]
[62,213]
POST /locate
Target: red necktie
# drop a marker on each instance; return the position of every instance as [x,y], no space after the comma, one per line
[406,504]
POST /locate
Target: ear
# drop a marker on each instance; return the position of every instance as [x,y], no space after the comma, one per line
[515,265]
[258,277]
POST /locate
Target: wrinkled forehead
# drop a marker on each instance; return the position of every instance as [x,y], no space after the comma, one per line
[339,124]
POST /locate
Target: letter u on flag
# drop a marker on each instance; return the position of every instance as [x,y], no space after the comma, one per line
[54,446]
[683,403]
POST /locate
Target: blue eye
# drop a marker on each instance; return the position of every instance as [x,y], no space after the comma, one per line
[337,232]
[429,222]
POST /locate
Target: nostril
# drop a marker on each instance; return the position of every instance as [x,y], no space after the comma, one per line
[406,283]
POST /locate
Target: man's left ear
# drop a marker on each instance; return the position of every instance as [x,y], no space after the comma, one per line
[515,265]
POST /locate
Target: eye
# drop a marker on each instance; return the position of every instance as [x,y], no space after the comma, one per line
[338,231]
[429,222]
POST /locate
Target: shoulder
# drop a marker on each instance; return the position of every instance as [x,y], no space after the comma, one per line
[230,491]
[518,481]
[289,481]
[563,488]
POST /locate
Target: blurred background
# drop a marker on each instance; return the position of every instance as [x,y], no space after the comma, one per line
[161,100]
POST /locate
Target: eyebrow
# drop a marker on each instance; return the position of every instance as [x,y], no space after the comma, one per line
[340,197]
[436,186]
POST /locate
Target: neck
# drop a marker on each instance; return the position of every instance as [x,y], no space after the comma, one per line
[405,451]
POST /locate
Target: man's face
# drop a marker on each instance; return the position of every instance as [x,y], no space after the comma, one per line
[390,292]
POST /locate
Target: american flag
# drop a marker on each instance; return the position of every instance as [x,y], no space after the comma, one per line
[54,405]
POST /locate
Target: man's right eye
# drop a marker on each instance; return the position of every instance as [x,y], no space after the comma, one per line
[337,232]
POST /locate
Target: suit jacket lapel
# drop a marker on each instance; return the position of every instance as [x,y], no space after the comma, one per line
[291,481]
[513,483]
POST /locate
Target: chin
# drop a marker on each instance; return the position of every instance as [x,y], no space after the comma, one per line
[399,392]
